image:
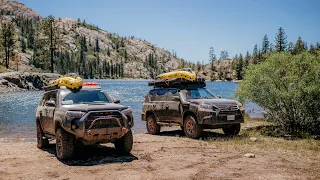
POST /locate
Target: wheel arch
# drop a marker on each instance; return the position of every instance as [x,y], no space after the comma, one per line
[189,113]
[57,124]
[150,113]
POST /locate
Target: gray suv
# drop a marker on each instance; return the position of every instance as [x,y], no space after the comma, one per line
[88,116]
[193,108]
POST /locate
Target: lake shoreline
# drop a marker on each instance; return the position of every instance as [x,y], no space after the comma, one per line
[31,81]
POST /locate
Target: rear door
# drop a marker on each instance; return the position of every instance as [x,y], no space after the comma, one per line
[173,107]
[158,98]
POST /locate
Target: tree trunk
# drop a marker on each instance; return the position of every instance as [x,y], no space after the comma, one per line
[51,45]
[6,50]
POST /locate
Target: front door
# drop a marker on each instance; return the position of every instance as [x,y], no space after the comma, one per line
[48,112]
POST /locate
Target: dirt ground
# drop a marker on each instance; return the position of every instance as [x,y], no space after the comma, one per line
[166,156]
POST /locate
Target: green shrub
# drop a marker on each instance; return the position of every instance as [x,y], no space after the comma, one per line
[288,87]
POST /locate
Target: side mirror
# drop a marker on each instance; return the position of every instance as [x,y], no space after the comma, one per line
[219,97]
[176,98]
[116,101]
[50,103]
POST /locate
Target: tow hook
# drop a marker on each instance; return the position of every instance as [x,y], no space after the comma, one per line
[89,132]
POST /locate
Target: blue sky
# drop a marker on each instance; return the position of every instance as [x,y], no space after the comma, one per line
[190,27]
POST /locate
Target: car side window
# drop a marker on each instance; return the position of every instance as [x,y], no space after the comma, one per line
[49,96]
[171,93]
[152,94]
[158,94]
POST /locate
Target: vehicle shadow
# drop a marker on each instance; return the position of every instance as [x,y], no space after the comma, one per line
[93,155]
[207,135]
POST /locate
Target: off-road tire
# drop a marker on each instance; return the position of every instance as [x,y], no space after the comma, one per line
[65,144]
[41,141]
[152,126]
[191,128]
[233,130]
[125,143]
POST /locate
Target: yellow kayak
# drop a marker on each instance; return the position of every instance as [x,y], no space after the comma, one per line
[70,82]
[185,73]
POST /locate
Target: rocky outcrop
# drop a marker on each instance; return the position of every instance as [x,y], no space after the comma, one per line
[132,52]
[18,8]
[16,81]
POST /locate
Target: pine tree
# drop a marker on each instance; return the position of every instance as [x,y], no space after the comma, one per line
[299,47]
[224,55]
[271,47]
[7,36]
[312,49]
[305,46]
[281,40]
[125,54]
[265,44]
[255,54]
[97,48]
[30,38]
[239,67]
[104,69]
[212,58]
[51,32]
[84,44]
[317,46]
[290,47]
[108,52]
[246,60]
[23,44]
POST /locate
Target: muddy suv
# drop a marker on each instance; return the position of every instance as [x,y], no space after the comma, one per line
[193,108]
[87,117]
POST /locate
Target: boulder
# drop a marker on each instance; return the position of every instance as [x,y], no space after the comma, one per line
[249,155]
[4,82]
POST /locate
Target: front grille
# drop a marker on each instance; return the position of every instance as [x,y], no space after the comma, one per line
[227,107]
[104,120]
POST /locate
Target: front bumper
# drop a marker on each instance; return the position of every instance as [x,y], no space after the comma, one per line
[105,128]
[104,134]
[220,117]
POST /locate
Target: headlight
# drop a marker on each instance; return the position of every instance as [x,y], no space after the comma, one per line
[74,115]
[240,106]
[205,106]
[127,111]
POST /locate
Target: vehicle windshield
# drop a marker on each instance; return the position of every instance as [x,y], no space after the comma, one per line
[84,97]
[200,93]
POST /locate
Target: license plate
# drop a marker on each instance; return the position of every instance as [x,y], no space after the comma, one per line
[231,117]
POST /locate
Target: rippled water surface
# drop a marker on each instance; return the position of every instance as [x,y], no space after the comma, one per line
[17,109]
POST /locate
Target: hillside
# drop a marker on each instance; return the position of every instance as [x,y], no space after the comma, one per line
[106,54]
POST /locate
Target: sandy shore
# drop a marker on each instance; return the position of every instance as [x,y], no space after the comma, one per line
[166,156]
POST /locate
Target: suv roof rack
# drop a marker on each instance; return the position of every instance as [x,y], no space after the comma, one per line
[87,85]
[180,83]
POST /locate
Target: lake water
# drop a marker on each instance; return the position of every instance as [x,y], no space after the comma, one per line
[17,109]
